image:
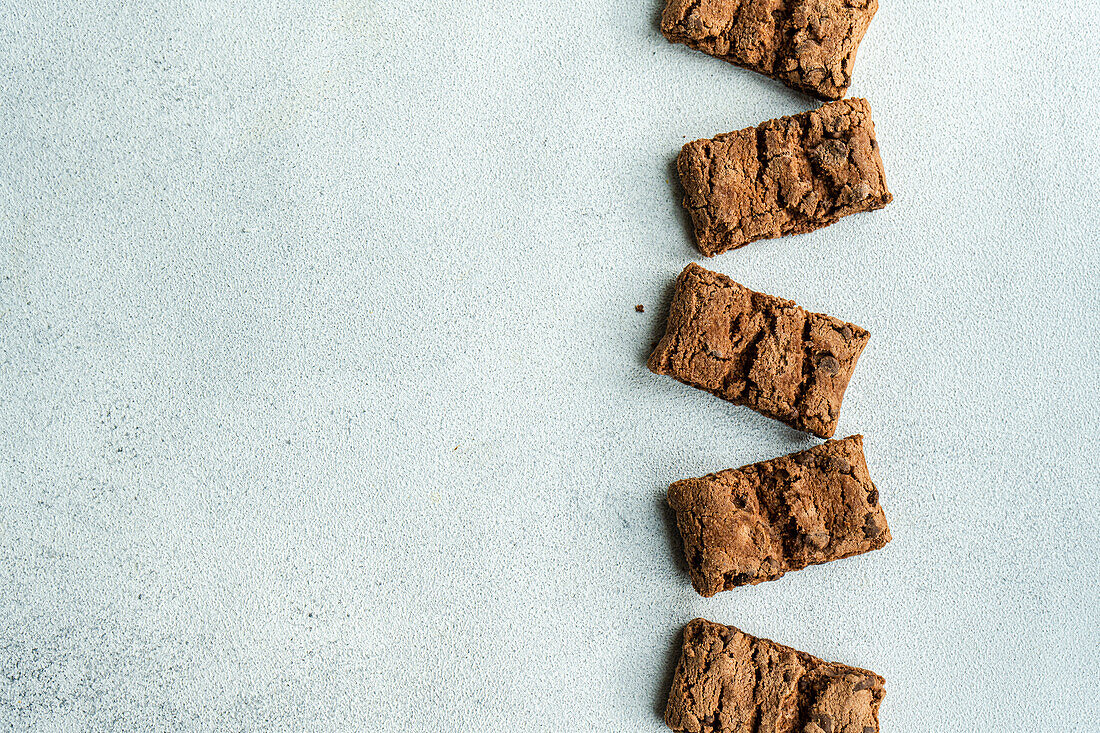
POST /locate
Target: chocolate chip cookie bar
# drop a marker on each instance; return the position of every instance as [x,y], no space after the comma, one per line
[746,525]
[759,351]
[727,680]
[786,176]
[809,45]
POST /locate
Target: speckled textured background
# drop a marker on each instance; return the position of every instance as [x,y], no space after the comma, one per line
[322,394]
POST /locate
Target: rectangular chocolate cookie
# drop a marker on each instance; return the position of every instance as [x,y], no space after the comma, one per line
[758,350]
[727,680]
[785,176]
[806,44]
[746,525]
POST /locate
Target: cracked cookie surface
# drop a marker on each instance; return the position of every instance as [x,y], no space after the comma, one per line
[786,176]
[727,680]
[747,525]
[759,351]
[808,45]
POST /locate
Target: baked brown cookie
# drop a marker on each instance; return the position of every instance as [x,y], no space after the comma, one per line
[727,680]
[786,176]
[806,44]
[746,525]
[759,351]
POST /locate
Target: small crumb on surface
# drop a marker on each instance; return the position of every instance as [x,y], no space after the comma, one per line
[640,308]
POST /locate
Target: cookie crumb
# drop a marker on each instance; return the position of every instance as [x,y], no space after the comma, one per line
[640,308]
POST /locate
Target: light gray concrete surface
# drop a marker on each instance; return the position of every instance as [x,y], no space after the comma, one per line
[322,394]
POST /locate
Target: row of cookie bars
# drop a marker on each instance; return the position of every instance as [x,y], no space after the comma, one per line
[748,525]
[753,524]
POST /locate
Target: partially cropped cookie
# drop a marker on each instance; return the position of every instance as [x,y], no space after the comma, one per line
[746,525]
[727,680]
[786,176]
[806,44]
[758,350]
